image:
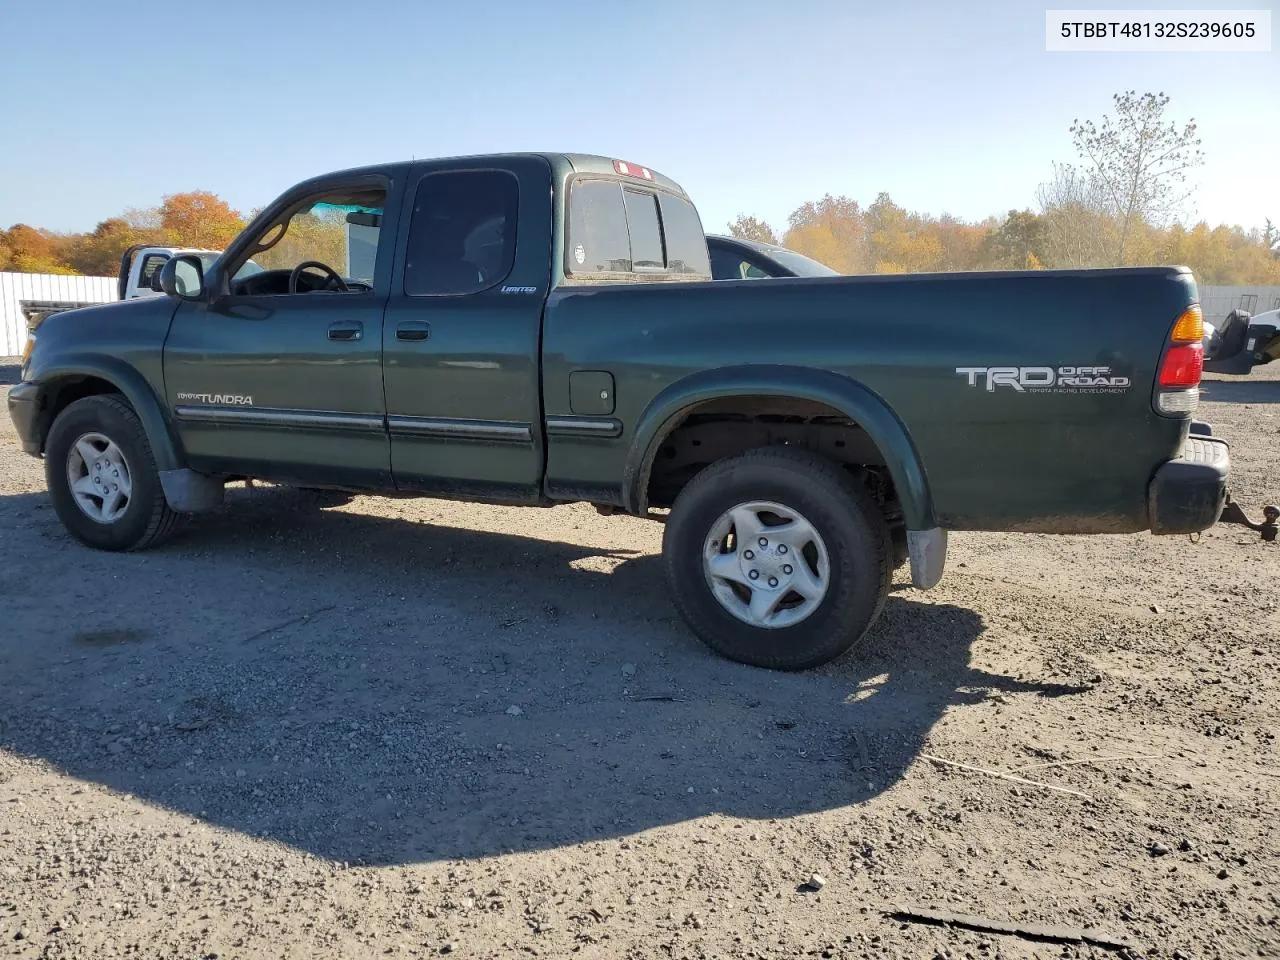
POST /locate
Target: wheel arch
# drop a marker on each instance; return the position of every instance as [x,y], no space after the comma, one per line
[854,400]
[81,376]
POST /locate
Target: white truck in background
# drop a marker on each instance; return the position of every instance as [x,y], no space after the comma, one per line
[140,268]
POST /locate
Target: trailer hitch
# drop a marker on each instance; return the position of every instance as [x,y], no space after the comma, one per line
[1231,513]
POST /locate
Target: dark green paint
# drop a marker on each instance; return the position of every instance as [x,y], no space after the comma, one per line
[120,344]
[882,350]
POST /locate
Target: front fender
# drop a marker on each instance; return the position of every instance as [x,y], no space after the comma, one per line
[132,384]
[861,405]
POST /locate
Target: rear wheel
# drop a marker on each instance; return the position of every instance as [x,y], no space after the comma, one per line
[778,558]
[102,477]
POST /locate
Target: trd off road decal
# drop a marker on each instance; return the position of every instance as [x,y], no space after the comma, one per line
[1046,379]
[228,399]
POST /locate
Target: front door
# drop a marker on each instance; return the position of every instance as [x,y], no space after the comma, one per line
[281,376]
[461,339]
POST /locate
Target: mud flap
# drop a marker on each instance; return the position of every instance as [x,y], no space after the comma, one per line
[928,551]
[191,492]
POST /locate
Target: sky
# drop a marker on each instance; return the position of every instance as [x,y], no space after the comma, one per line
[754,107]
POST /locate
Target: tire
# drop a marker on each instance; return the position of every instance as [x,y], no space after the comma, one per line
[844,525]
[108,427]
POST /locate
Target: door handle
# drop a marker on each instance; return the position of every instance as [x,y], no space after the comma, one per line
[346,330]
[414,330]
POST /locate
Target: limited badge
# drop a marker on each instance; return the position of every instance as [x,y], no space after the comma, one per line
[580,254]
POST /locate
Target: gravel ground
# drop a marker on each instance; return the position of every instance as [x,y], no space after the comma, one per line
[310,727]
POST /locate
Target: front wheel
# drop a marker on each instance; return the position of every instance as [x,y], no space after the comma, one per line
[778,558]
[102,477]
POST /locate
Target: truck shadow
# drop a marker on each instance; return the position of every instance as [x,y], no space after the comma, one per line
[385,691]
[1241,391]
[10,373]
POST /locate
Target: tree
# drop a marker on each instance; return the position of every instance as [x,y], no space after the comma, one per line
[749,228]
[29,250]
[98,253]
[1139,160]
[831,231]
[1018,243]
[901,242]
[1077,229]
[199,219]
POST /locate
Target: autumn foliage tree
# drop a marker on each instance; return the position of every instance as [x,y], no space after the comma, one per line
[30,250]
[1119,204]
[749,228]
[195,219]
[199,219]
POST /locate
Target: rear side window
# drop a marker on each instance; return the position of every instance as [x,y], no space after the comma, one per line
[462,235]
[618,229]
[686,243]
[598,240]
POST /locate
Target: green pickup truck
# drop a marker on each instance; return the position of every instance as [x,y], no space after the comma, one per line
[543,328]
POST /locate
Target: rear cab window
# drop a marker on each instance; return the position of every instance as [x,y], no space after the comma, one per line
[620,230]
[151,263]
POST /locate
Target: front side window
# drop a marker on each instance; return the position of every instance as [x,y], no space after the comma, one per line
[326,244]
[462,237]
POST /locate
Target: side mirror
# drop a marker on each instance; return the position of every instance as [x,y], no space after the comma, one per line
[182,277]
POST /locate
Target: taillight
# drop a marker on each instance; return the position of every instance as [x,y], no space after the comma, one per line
[1190,326]
[1182,366]
[1178,385]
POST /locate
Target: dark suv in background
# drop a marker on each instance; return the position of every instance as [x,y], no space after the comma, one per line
[736,259]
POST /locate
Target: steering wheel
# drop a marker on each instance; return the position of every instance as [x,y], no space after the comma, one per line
[296,273]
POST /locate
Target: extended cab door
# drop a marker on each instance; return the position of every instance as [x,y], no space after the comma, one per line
[278,373]
[460,344]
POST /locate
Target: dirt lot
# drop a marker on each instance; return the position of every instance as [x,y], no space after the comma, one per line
[408,728]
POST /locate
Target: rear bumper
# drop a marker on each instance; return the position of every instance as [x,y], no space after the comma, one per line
[23,406]
[1186,495]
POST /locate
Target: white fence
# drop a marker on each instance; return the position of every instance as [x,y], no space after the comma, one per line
[1217,302]
[20,291]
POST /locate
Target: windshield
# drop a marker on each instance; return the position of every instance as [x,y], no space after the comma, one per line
[802,265]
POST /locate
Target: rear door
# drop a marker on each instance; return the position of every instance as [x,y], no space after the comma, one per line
[461,338]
